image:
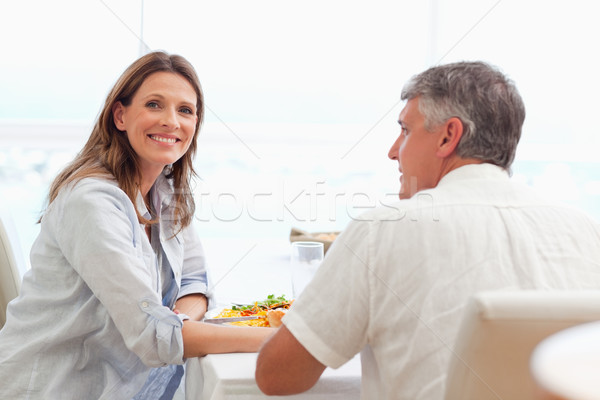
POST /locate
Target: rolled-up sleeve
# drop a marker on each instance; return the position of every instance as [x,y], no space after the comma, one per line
[100,237]
[165,327]
[195,277]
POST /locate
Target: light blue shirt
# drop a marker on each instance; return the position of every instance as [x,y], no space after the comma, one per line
[90,321]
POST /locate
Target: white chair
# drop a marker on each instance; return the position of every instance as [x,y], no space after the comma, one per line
[498,333]
[10,265]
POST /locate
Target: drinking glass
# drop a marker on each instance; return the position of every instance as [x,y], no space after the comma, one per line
[305,259]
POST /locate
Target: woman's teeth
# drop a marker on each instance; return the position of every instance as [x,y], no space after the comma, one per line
[163,139]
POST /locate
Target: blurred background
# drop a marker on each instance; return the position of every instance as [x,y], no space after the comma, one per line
[301,98]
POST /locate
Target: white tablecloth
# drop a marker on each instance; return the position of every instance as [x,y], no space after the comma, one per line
[231,376]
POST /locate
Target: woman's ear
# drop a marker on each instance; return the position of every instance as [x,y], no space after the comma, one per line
[118,110]
[450,137]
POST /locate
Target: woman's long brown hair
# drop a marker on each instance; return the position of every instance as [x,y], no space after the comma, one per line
[108,152]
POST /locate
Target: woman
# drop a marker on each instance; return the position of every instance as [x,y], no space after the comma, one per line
[118,280]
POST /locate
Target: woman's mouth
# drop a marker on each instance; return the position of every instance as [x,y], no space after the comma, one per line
[163,139]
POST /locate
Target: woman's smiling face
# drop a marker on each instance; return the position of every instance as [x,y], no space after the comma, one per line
[160,122]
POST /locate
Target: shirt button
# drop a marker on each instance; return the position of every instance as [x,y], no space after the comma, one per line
[144,304]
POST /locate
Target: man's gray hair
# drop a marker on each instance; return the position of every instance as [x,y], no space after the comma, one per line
[487,103]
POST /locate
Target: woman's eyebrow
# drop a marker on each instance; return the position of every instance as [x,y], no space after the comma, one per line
[162,97]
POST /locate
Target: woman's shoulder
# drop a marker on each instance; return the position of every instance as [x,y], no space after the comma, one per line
[93,183]
[93,190]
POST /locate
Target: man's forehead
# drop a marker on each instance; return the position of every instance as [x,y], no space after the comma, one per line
[408,106]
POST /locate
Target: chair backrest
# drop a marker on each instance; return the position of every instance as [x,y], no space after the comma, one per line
[498,333]
[10,257]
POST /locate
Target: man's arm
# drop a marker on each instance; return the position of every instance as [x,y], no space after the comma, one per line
[285,367]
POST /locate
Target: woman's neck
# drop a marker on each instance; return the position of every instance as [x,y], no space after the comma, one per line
[147,183]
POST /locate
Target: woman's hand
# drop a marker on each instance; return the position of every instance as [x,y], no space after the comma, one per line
[200,338]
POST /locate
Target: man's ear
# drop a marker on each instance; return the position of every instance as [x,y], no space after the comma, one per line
[117,110]
[450,137]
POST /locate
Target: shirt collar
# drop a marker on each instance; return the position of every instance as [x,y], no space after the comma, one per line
[474,171]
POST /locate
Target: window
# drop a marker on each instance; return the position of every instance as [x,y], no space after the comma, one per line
[302,98]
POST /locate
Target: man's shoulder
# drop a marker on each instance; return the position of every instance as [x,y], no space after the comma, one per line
[396,212]
[458,197]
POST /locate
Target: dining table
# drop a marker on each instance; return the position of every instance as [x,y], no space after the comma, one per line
[242,271]
[231,376]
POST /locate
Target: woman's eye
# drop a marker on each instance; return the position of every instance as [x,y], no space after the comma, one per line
[186,110]
[152,104]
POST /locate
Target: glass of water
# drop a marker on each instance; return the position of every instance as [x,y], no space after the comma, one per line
[305,259]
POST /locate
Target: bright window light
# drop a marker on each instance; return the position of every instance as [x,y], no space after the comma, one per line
[302,98]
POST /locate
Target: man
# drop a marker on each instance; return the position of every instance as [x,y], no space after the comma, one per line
[395,283]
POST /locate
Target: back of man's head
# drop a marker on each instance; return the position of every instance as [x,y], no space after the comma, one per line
[486,101]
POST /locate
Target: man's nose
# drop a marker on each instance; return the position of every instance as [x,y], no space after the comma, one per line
[393,153]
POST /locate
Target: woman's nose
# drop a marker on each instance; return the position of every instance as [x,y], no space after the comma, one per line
[169,119]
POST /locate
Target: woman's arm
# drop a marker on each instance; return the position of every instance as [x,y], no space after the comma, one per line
[201,338]
[194,273]
[192,305]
